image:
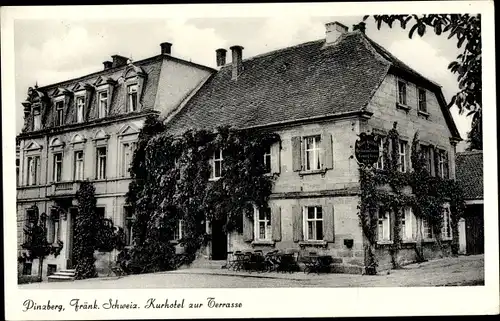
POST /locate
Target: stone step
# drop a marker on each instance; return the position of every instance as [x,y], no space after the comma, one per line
[64,273]
[68,270]
[60,278]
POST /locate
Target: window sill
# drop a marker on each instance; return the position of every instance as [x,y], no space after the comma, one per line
[403,107]
[409,242]
[263,243]
[214,179]
[428,240]
[313,243]
[423,114]
[175,242]
[384,242]
[313,172]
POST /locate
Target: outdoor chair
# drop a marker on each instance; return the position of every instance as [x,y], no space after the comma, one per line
[229,260]
[239,261]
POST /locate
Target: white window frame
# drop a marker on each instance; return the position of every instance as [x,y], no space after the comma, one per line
[424,101]
[384,225]
[399,82]
[103,103]
[380,163]
[402,156]
[314,222]
[78,164]
[37,117]
[101,172]
[446,231]
[131,90]
[408,224]
[217,157]
[266,221]
[32,173]
[179,230]
[59,112]
[127,149]
[128,224]
[441,161]
[57,164]
[315,152]
[54,230]
[80,108]
[428,233]
[267,160]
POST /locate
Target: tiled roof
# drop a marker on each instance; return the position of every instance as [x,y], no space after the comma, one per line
[151,67]
[469,173]
[295,83]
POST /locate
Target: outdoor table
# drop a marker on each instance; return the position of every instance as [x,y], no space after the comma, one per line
[287,263]
[317,263]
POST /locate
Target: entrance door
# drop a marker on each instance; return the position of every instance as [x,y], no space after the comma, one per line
[219,241]
[71,263]
[474,224]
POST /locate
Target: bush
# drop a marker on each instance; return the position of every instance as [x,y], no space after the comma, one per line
[24,279]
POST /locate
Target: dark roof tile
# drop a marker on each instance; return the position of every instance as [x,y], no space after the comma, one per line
[469,173]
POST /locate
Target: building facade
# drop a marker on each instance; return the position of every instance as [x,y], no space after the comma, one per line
[319,96]
[85,129]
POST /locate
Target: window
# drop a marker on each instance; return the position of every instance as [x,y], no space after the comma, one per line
[427,229]
[402,92]
[53,228]
[380,163]
[402,156]
[33,163]
[383,226]
[422,100]
[313,153]
[78,174]
[17,171]
[441,163]
[132,98]
[216,165]
[313,223]
[59,113]
[51,269]
[103,104]
[446,229]
[263,224]
[101,163]
[267,160]
[26,268]
[180,230]
[58,159]
[80,106]
[31,219]
[129,222]
[37,118]
[127,152]
[408,224]
[426,154]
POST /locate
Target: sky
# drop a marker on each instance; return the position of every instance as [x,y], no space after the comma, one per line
[49,50]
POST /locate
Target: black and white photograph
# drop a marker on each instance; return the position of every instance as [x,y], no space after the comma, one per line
[222,154]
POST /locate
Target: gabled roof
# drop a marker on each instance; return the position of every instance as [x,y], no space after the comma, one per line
[469,174]
[302,82]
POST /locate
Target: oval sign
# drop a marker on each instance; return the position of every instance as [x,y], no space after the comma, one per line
[367,149]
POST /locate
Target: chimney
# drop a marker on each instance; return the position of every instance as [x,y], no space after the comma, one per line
[166,48]
[333,31]
[220,55]
[237,56]
[107,65]
[119,61]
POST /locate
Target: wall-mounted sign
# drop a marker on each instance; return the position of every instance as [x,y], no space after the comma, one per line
[367,149]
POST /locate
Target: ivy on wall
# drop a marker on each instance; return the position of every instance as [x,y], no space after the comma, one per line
[429,195]
[171,182]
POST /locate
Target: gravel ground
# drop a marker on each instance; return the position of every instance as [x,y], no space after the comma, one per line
[457,271]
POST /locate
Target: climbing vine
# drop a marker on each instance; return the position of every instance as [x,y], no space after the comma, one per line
[384,189]
[171,182]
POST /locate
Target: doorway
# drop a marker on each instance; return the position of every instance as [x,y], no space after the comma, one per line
[219,241]
[474,225]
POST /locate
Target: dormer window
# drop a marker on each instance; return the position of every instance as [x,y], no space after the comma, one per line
[103,104]
[80,106]
[37,118]
[59,113]
[132,98]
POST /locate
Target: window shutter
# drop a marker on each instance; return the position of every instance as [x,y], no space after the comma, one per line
[326,141]
[436,162]
[329,225]
[276,223]
[247,228]
[297,223]
[446,165]
[407,157]
[275,157]
[296,154]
